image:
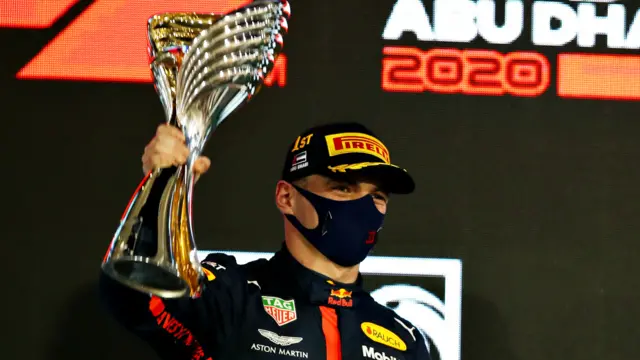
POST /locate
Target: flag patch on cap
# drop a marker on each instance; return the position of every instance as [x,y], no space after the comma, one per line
[299,161]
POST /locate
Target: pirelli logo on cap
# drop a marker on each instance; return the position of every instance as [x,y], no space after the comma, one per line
[346,143]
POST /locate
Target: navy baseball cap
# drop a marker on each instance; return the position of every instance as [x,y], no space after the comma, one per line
[341,150]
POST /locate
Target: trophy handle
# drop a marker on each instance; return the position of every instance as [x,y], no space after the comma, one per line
[153,250]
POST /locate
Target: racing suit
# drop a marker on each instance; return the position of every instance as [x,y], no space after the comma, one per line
[266,309]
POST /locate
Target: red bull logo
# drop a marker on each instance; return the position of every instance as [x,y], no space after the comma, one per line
[340,297]
[342,293]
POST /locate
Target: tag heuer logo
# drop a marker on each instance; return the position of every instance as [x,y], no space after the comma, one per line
[282,311]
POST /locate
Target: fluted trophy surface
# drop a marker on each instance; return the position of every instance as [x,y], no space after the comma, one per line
[204,66]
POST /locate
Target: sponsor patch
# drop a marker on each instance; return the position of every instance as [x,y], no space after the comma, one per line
[345,143]
[279,339]
[340,297]
[282,311]
[371,353]
[383,336]
[279,351]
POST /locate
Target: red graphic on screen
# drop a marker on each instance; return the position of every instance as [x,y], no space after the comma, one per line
[278,75]
[599,76]
[35,14]
[474,72]
[108,41]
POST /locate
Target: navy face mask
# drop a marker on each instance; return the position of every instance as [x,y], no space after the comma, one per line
[346,231]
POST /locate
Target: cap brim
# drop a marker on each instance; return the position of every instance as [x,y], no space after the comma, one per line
[391,178]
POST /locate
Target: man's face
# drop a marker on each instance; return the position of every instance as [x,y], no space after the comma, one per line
[334,189]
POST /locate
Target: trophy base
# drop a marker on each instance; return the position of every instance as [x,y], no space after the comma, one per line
[148,278]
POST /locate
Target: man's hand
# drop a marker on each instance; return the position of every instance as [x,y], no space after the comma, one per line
[168,149]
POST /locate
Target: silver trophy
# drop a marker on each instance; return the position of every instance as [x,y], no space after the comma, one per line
[205,66]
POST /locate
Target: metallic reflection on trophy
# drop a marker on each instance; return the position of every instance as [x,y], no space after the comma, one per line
[205,66]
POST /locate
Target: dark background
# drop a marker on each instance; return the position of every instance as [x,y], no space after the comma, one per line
[537,196]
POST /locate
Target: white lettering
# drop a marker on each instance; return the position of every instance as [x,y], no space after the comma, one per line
[410,16]
[370,352]
[454,20]
[263,348]
[543,13]
[611,25]
[513,23]
[294,353]
[633,36]
[299,166]
[553,23]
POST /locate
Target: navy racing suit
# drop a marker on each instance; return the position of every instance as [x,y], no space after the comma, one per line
[266,309]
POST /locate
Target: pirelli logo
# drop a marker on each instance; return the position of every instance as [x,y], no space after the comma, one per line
[346,143]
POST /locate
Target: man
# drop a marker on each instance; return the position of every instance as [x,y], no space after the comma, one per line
[307,301]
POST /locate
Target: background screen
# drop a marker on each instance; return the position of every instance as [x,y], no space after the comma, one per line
[517,119]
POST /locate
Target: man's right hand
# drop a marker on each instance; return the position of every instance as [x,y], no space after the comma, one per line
[168,149]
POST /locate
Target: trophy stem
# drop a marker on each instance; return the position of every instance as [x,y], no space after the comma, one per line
[182,240]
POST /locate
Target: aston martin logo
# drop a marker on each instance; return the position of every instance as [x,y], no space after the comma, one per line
[278,339]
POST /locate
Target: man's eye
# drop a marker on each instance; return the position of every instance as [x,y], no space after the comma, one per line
[380,197]
[342,188]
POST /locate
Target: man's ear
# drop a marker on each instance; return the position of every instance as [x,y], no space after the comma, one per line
[284,197]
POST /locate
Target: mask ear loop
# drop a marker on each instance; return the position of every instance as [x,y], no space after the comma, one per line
[322,220]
